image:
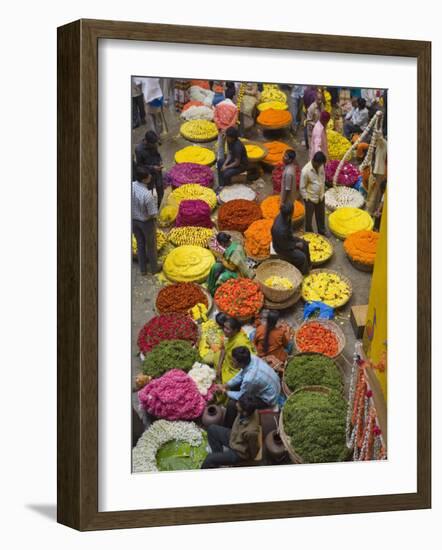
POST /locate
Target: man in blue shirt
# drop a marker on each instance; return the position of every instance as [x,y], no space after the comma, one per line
[256,377]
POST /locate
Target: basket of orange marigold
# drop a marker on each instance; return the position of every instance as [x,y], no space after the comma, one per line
[360,248]
[270,209]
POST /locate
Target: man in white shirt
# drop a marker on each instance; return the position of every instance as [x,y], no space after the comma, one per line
[312,189]
[144,211]
[357,119]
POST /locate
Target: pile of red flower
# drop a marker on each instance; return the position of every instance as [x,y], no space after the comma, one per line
[277,176]
[317,338]
[170,326]
[180,297]
[238,214]
[240,298]
[348,174]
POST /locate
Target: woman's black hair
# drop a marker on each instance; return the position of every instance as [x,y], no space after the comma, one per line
[242,356]
[220,318]
[142,172]
[272,319]
[248,403]
[151,137]
[223,238]
[233,323]
[232,132]
[291,154]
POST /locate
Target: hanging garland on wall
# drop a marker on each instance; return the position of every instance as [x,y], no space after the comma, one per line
[363,433]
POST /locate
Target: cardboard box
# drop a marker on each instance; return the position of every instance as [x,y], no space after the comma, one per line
[358,319]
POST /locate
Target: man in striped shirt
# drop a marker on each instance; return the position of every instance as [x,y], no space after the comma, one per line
[144,226]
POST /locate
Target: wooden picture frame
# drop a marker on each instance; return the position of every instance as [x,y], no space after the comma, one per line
[78,274]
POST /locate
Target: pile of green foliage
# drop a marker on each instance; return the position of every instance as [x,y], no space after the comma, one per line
[315,423]
[312,370]
[170,354]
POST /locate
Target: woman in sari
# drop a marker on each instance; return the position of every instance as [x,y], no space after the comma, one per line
[232,265]
[234,338]
[272,340]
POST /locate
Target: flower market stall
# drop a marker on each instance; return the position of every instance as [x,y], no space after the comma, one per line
[329,406]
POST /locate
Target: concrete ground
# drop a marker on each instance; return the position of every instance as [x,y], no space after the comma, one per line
[145,289]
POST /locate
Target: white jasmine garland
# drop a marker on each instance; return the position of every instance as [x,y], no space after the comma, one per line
[337,197]
[203,376]
[161,432]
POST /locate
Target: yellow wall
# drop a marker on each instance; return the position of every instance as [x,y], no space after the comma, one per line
[375,334]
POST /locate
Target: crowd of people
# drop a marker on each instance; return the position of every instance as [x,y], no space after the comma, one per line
[248,369]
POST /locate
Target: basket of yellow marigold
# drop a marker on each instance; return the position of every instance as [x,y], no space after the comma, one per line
[278,279]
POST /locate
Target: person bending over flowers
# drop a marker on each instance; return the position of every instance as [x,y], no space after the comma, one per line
[241,441]
[233,264]
[234,338]
[256,377]
[272,340]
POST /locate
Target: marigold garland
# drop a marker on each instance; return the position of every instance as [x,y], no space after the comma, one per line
[270,208]
[199,130]
[274,117]
[361,246]
[199,236]
[189,172]
[347,220]
[188,264]
[195,154]
[258,238]
[315,337]
[276,105]
[191,191]
[271,92]
[239,298]
[338,145]
[276,150]
[238,214]
[180,297]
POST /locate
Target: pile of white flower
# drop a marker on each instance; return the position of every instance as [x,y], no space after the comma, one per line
[161,432]
[203,376]
[198,112]
[337,197]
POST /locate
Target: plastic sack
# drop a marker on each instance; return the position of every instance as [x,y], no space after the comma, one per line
[325,311]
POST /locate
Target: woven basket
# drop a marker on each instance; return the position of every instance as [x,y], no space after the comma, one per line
[321,262]
[296,457]
[343,277]
[281,268]
[287,391]
[331,325]
[268,304]
[359,265]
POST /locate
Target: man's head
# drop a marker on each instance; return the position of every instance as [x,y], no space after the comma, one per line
[241,357]
[318,97]
[361,103]
[150,138]
[324,118]
[143,175]
[224,239]
[289,156]
[231,326]
[232,134]
[286,210]
[246,404]
[318,160]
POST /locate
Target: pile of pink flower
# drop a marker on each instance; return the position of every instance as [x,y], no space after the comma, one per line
[348,174]
[189,172]
[174,396]
[277,177]
[226,114]
[193,213]
[169,326]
